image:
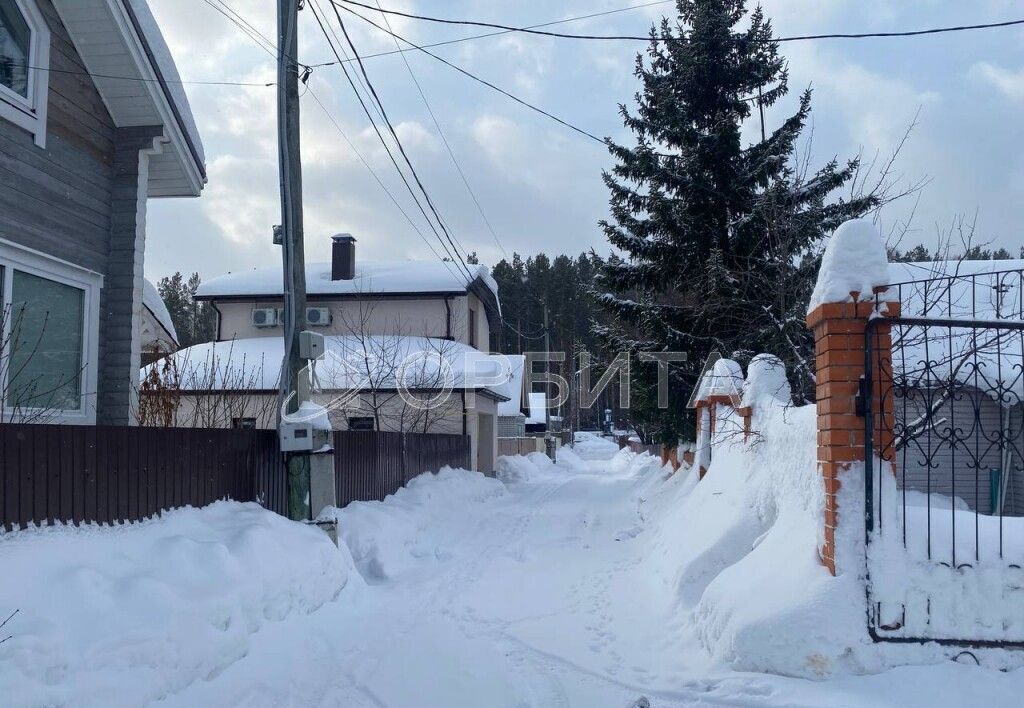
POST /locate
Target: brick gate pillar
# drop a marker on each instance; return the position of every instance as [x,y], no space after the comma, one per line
[839,365]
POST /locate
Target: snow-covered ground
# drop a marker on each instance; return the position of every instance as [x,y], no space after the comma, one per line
[590,583]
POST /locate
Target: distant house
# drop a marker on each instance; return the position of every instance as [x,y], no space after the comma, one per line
[93,123]
[414,325]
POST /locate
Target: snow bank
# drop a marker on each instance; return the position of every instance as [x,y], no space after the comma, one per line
[127,615]
[419,522]
[854,261]
[588,446]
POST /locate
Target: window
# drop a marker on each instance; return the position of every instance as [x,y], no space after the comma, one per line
[360,423]
[24,58]
[48,325]
[244,423]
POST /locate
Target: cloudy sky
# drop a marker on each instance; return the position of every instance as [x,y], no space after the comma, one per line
[538,183]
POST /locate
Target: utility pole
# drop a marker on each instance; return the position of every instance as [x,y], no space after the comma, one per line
[549,442]
[292,243]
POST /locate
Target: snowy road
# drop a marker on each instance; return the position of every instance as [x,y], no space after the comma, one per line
[541,592]
[536,597]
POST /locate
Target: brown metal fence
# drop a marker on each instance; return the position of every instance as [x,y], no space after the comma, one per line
[105,474]
[370,465]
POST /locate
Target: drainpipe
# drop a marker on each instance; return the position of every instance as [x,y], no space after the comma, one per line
[219,318]
[448,323]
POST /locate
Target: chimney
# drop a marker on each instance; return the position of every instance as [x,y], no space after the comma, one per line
[343,257]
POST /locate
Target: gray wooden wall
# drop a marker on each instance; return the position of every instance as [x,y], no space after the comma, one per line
[65,200]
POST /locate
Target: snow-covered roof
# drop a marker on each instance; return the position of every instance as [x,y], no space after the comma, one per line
[350,362]
[152,301]
[964,290]
[172,85]
[536,405]
[371,277]
[514,386]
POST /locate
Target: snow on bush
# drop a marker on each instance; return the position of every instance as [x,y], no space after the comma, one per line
[854,261]
[420,521]
[130,614]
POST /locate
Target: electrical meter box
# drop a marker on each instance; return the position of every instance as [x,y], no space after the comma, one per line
[302,436]
[311,345]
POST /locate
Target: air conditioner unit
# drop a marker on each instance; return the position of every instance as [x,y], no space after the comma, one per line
[264,317]
[318,316]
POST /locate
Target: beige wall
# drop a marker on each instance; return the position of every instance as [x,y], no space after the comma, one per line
[412,317]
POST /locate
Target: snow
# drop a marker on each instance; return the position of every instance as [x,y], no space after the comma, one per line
[371,277]
[854,261]
[766,382]
[979,290]
[349,362]
[129,615]
[585,583]
[724,378]
[154,38]
[536,407]
[513,387]
[152,301]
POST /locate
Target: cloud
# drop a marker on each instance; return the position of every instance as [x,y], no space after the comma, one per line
[1008,82]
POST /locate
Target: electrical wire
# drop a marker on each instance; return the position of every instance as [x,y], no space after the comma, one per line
[380,136]
[566,20]
[256,36]
[379,181]
[476,78]
[448,147]
[398,142]
[648,38]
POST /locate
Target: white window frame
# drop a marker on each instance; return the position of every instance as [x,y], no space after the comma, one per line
[16,257]
[30,113]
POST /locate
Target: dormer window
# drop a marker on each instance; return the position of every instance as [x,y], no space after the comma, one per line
[24,64]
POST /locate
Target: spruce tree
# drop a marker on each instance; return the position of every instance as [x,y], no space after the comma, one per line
[719,241]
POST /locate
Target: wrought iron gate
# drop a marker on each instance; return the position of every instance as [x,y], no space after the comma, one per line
[944,480]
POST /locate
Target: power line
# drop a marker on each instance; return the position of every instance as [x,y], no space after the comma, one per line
[383,142]
[476,78]
[566,20]
[648,38]
[256,36]
[447,146]
[380,182]
[398,142]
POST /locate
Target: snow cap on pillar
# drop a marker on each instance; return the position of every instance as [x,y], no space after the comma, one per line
[854,265]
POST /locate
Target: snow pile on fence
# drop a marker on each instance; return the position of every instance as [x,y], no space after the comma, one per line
[741,549]
[422,520]
[854,261]
[127,615]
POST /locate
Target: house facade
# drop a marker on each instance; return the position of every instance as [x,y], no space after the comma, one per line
[408,348]
[93,123]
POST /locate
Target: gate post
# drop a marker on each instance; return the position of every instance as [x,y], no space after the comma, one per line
[839,325]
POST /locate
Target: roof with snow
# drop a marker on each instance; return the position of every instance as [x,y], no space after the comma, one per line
[513,388]
[964,290]
[371,278]
[155,304]
[350,362]
[131,66]
[170,82]
[536,404]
